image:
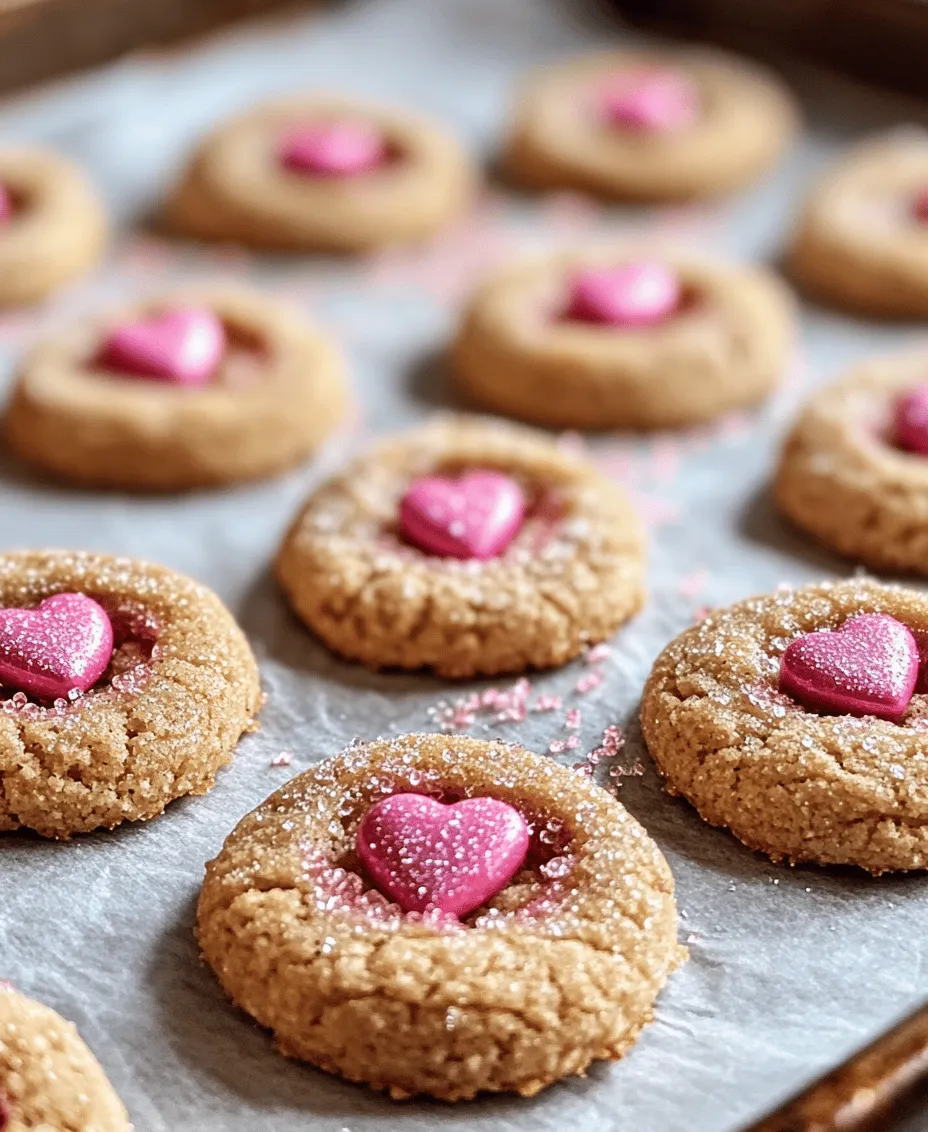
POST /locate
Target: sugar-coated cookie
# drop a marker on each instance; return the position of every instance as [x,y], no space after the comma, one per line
[49,1079]
[123,686]
[623,338]
[799,719]
[854,469]
[557,965]
[467,547]
[52,226]
[321,173]
[649,125]
[861,242]
[195,388]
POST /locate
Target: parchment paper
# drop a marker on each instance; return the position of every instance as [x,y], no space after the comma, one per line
[789,969]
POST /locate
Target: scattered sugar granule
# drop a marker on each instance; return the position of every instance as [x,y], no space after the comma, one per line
[597,654]
[589,681]
[285,758]
[572,719]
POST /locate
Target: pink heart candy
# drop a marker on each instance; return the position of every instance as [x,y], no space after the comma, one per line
[183,345]
[426,854]
[7,207]
[867,667]
[64,644]
[635,295]
[475,516]
[920,206]
[656,101]
[910,424]
[340,149]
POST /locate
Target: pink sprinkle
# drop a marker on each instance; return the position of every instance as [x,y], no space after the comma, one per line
[583,768]
[547,703]
[572,722]
[557,746]
[285,758]
[597,653]
[693,584]
[693,937]
[572,743]
[701,613]
[590,681]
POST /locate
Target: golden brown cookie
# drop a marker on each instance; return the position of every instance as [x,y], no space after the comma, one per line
[787,779]
[180,689]
[568,574]
[851,472]
[52,226]
[649,125]
[559,969]
[523,350]
[861,242]
[240,185]
[49,1079]
[274,391]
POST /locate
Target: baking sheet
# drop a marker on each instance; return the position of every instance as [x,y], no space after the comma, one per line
[789,969]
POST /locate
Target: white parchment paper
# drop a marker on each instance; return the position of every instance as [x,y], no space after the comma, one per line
[789,969]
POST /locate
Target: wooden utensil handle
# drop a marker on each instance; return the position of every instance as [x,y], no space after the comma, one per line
[862,1093]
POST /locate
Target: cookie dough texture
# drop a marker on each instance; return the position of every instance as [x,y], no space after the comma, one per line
[276,396]
[516,353]
[834,790]
[841,477]
[559,138]
[509,1005]
[49,1079]
[57,231]
[570,578]
[122,755]
[236,190]
[857,244]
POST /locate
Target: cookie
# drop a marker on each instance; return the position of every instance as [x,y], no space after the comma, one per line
[861,242]
[321,173]
[799,719]
[52,226]
[467,547]
[196,388]
[853,471]
[649,125]
[618,338]
[124,686]
[559,966]
[49,1079]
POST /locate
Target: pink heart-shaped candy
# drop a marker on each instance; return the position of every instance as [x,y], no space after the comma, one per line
[183,345]
[635,295]
[656,101]
[910,424]
[474,516]
[339,149]
[7,207]
[920,206]
[867,667]
[64,644]
[426,854]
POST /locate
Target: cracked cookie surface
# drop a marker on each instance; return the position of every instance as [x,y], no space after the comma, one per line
[726,347]
[49,1079]
[560,968]
[842,478]
[570,577]
[55,230]
[859,243]
[560,140]
[829,789]
[156,728]
[236,189]
[277,393]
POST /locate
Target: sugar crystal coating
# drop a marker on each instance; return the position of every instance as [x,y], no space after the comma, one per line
[560,967]
[793,783]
